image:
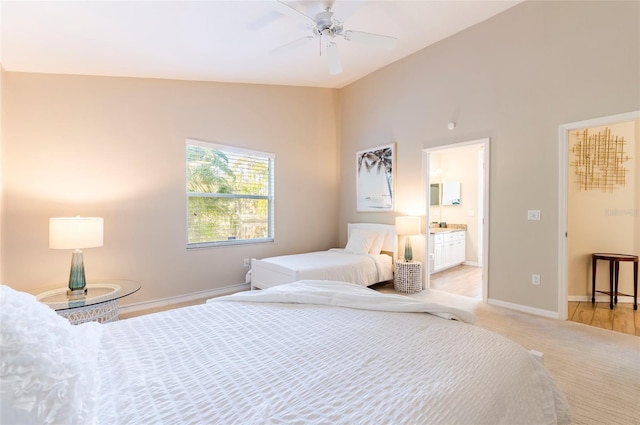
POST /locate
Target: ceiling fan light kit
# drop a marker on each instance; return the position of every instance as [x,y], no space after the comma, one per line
[326,25]
[323,24]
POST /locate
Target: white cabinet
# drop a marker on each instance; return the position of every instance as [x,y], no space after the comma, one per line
[446,249]
[439,254]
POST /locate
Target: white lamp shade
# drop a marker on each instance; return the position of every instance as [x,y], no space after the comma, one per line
[75,232]
[408,225]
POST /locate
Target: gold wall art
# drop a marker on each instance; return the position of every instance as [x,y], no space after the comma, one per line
[598,160]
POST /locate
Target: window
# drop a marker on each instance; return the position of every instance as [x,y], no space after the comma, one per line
[229,195]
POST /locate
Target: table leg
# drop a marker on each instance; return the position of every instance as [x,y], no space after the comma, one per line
[593,279]
[635,285]
[617,276]
[611,279]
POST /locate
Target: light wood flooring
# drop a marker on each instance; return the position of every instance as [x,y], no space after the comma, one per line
[461,280]
[623,318]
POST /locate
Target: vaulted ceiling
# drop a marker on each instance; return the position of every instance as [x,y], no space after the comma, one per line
[229,41]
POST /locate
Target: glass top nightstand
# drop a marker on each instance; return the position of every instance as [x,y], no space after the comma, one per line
[99,303]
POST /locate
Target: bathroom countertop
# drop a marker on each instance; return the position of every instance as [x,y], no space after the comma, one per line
[449,229]
[444,230]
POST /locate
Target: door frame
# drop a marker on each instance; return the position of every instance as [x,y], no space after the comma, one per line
[563,206]
[483,208]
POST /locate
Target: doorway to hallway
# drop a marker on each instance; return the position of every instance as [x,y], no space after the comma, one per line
[598,212]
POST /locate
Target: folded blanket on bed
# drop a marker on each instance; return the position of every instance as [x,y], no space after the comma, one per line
[343,294]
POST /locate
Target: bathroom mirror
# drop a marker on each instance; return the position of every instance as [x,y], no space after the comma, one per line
[435,194]
[451,193]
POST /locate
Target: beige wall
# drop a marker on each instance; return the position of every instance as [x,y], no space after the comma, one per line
[603,221]
[514,78]
[115,147]
[1,185]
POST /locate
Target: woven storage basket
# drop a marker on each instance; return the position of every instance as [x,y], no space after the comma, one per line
[408,277]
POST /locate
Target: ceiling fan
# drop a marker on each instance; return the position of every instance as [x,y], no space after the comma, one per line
[325,27]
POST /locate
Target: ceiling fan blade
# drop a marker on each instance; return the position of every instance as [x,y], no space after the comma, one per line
[290,46]
[370,38]
[335,67]
[285,9]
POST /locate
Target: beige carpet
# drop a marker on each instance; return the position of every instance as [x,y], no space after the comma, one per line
[598,370]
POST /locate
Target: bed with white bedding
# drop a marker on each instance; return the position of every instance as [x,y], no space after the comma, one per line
[366,259]
[313,352]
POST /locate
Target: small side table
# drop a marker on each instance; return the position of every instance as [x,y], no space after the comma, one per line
[614,272]
[99,304]
[408,277]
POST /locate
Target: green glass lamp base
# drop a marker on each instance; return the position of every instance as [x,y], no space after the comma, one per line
[408,252]
[77,281]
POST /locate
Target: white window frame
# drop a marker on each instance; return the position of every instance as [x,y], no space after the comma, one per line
[270,197]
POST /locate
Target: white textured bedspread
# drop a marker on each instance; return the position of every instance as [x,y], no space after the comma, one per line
[240,362]
[335,264]
[343,294]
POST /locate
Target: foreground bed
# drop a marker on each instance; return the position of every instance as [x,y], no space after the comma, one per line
[290,354]
[363,262]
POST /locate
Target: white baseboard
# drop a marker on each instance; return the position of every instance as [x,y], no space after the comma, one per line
[525,309]
[472,264]
[212,293]
[601,298]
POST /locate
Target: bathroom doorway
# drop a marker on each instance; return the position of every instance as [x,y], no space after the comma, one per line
[457,197]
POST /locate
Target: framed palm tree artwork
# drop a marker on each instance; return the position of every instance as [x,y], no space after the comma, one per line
[375,169]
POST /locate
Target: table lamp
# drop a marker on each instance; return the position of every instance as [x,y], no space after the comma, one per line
[76,233]
[408,226]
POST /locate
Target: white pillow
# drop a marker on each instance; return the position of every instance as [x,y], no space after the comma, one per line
[376,246]
[360,241]
[49,367]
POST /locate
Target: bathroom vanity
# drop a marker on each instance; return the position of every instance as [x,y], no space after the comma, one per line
[446,248]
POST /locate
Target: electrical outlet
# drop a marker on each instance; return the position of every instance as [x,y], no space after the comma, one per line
[535,279]
[247,262]
[533,215]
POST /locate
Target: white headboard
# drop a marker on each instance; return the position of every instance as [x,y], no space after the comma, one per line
[390,241]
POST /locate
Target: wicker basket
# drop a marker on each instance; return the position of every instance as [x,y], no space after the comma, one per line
[102,313]
[408,277]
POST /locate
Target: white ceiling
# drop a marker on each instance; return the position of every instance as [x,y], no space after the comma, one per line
[219,40]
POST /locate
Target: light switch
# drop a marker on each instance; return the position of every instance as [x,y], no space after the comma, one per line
[533,215]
